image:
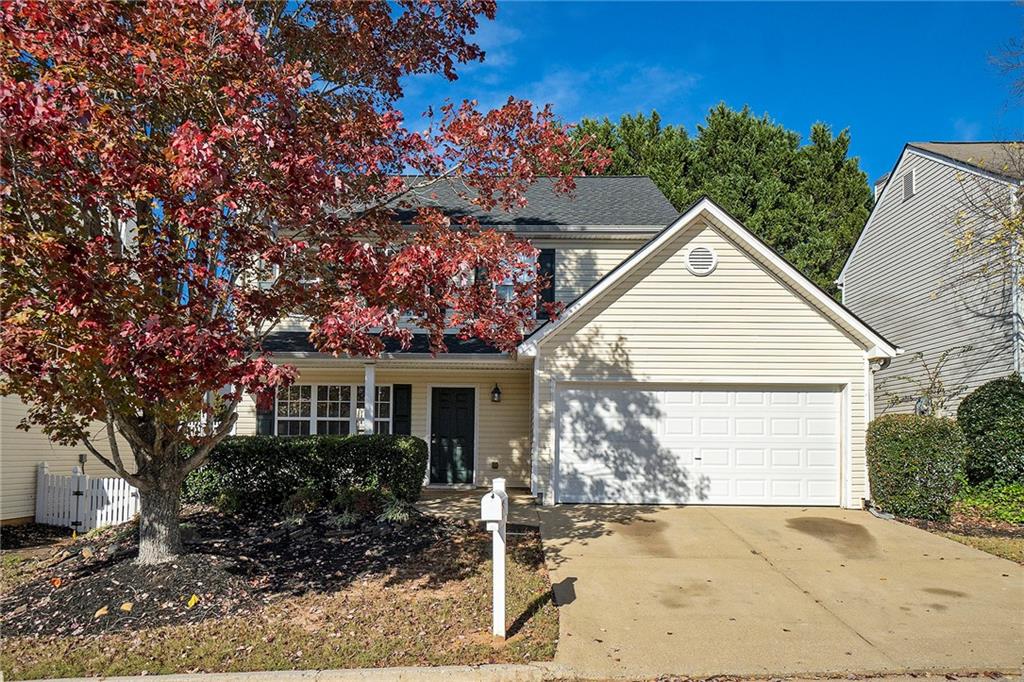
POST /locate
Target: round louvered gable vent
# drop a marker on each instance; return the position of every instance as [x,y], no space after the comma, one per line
[701,260]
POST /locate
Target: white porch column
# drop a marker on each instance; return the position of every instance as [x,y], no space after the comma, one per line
[370,397]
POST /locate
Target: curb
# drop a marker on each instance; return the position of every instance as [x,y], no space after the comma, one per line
[481,673]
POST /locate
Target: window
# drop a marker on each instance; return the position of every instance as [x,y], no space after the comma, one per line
[294,408]
[506,290]
[333,410]
[381,407]
[328,409]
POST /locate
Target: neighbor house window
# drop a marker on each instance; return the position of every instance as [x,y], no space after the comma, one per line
[294,409]
[330,409]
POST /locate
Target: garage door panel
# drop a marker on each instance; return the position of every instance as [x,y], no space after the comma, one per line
[750,446]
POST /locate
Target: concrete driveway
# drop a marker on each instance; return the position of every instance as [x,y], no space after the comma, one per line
[645,591]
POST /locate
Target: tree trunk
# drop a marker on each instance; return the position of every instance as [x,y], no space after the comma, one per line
[159,533]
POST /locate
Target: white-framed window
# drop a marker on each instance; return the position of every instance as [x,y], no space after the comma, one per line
[333,410]
[294,410]
[381,407]
[506,289]
[330,409]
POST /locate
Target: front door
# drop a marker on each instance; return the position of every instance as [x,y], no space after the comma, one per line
[451,435]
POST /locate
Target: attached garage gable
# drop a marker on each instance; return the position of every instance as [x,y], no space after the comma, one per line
[702,373]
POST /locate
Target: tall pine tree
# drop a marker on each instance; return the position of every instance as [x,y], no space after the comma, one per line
[807,201]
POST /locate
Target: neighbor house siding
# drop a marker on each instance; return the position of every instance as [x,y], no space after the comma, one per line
[503,429]
[904,280]
[21,452]
[738,325]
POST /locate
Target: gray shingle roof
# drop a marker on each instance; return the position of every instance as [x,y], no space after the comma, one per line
[601,202]
[298,342]
[1001,158]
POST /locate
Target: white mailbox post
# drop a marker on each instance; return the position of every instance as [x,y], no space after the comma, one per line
[494,512]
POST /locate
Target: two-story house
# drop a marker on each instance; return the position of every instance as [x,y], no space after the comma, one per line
[927,273]
[691,364]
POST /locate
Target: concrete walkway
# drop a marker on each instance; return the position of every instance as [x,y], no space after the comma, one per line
[701,591]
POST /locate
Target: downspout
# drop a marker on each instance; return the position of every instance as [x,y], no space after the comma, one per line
[535,414]
[1016,274]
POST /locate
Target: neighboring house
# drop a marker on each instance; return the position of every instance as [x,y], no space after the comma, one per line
[691,365]
[907,278]
[22,452]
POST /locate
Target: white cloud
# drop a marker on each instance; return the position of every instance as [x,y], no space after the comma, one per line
[966,131]
[610,90]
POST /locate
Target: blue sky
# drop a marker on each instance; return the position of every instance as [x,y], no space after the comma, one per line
[889,72]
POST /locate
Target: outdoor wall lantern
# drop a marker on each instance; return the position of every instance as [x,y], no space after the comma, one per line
[496,394]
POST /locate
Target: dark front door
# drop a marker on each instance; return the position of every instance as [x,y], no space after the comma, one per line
[451,435]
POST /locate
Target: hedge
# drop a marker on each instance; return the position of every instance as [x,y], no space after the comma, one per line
[998,501]
[992,419]
[256,473]
[916,464]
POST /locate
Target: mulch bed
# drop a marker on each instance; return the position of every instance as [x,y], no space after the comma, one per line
[966,524]
[27,535]
[232,566]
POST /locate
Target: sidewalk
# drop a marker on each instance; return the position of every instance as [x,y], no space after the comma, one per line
[535,672]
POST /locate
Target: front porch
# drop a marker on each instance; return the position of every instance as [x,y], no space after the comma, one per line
[447,402]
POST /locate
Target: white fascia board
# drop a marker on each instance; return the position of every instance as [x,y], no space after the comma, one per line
[707,208]
[440,358]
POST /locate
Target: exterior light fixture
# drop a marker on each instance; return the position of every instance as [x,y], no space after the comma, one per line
[496,394]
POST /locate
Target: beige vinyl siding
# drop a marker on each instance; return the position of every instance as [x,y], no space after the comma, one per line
[22,451]
[503,429]
[739,325]
[579,264]
[903,280]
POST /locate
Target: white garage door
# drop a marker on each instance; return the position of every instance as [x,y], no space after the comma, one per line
[757,445]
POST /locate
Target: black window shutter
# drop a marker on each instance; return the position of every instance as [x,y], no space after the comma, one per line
[264,414]
[546,267]
[402,409]
[265,422]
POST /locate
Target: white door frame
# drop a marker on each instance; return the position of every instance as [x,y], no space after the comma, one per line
[840,386]
[476,433]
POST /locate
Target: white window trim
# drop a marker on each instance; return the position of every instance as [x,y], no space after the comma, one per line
[277,411]
[353,420]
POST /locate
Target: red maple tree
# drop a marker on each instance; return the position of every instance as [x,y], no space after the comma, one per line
[179,177]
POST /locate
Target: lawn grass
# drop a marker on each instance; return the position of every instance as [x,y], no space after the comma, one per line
[1011,548]
[382,620]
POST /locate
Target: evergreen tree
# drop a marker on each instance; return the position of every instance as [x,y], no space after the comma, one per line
[808,202]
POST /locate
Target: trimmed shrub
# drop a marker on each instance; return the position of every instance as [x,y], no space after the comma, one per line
[992,419]
[258,473]
[916,464]
[1000,501]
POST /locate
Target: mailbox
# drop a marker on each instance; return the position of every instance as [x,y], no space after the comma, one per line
[493,512]
[494,506]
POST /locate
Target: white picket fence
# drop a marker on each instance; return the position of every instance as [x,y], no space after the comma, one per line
[81,502]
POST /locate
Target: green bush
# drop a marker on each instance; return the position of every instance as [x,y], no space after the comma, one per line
[1001,501]
[916,464]
[258,473]
[992,419]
